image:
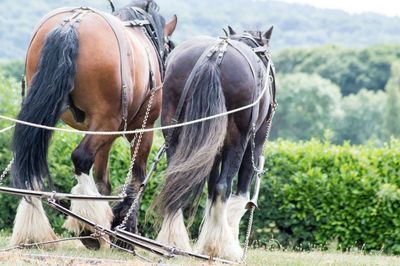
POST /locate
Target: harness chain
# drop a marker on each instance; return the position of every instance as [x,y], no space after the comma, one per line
[257,170]
[136,143]
[5,172]
[137,139]
[258,173]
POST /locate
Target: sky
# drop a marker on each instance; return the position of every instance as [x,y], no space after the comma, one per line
[385,7]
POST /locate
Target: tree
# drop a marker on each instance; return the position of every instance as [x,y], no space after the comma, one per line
[392,114]
[12,68]
[351,69]
[308,105]
[361,118]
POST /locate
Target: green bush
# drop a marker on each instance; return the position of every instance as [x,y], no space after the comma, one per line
[316,194]
[313,193]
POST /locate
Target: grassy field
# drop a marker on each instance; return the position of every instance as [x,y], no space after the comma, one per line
[73,253]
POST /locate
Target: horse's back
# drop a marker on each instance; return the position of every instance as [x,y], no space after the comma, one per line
[237,78]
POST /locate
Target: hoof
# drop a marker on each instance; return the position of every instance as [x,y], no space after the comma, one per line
[90,243]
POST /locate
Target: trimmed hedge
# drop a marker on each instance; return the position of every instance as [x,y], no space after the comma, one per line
[317,194]
[313,193]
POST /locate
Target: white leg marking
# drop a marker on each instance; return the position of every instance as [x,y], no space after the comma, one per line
[173,232]
[236,210]
[216,238]
[98,212]
[31,224]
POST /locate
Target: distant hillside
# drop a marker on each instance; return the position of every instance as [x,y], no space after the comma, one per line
[295,25]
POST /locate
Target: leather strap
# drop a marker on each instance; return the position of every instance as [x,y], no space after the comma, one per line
[120,37]
[121,40]
[220,47]
[148,29]
[256,108]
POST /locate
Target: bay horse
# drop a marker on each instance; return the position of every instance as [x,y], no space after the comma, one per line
[96,72]
[204,77]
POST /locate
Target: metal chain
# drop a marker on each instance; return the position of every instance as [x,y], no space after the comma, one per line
[131,208]
[253,144]
[248,233]
[258,173]
[5,172]
[136,141]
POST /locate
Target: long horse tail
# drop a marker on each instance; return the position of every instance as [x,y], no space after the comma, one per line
[49,89]
[198,144]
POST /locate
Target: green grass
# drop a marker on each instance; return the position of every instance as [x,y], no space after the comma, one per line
[72,253]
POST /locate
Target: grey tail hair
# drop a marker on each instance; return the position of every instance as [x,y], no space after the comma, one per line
[191,163]
[49,88]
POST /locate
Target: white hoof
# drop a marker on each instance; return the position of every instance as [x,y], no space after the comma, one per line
[173,232]
[98,212]
[216,238]
[31,225]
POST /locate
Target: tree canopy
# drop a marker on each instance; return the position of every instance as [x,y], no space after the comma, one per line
[295,25]
[350,68]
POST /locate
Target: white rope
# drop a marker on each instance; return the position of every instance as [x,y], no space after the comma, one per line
[6,129]
[108,133]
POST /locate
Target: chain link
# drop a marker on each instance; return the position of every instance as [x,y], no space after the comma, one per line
[253,144]
[131,208]
[136,141]
[248,233]
[6,171]
[259,172]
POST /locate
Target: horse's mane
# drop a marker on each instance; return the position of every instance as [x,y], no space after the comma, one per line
[126,13]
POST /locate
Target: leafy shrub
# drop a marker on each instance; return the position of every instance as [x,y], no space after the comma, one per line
[316,193]
[312,194]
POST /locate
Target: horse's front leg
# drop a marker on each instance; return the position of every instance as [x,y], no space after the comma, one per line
[101,171]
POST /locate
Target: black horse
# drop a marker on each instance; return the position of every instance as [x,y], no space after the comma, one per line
[204,77]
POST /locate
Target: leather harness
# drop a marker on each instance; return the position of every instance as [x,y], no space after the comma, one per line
[220,48]
[77,15]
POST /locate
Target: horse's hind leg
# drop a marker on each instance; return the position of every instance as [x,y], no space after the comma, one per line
[216,238]
[98,212]
[237,203]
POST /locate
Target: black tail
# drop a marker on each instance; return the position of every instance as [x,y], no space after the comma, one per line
[198,143]
[49,88]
